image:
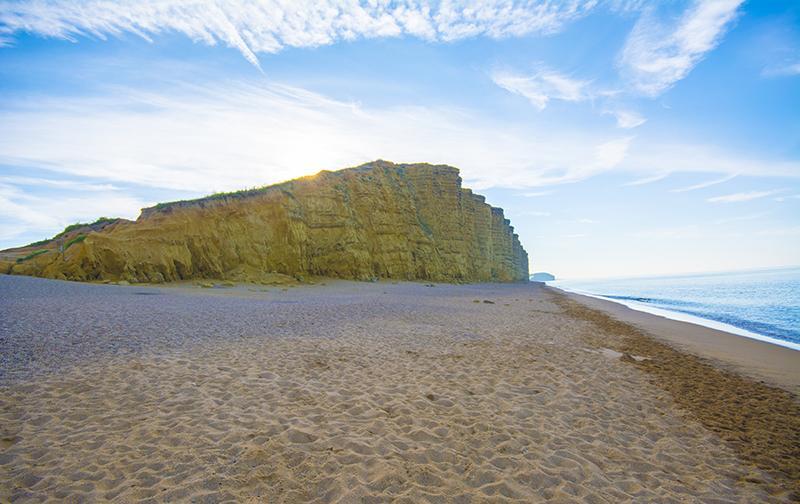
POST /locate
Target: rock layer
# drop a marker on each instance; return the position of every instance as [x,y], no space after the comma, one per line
[379,220]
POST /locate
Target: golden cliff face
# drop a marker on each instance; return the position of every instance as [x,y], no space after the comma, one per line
[384,220]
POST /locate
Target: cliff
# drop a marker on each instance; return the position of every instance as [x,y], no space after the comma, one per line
[401,221]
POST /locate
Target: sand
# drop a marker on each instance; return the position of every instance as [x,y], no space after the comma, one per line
[757,359]
[361,392]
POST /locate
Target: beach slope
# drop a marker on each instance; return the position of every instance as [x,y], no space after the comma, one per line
[369,391]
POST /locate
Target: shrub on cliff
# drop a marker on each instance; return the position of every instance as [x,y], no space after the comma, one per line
[31,255]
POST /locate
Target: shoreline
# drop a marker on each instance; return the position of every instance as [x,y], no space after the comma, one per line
[755,358]
[687,318]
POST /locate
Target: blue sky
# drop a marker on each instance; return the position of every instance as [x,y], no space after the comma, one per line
[622,138]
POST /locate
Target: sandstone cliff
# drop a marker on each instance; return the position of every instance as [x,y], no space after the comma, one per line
[401,221]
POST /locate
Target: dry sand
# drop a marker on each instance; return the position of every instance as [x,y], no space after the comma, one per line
[353,392]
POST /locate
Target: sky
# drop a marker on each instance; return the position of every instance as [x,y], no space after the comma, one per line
[622,138]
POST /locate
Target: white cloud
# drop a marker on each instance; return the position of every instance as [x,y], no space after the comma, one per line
[234,135]
[546,84]
[58,183]
[703,185]
[657,53]
[666,158]
[611,154]
[271,25]
[627,119]
[743,196]
[542,86]
[782,70]
[22,212]
[647,180]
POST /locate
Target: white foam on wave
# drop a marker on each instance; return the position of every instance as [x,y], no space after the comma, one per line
[692,319]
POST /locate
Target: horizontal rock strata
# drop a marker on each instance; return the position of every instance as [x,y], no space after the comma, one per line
[379,220]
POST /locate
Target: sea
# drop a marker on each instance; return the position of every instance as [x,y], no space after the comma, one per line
[760,304]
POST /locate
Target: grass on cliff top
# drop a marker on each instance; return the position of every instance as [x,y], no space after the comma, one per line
[253,191]
[242,193]
[75,240]
[71,227]
[78,225]
[31,255]
[38,243]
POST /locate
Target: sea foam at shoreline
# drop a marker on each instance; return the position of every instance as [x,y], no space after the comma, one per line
[764,304]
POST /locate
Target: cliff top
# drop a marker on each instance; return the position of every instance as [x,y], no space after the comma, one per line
[280,186]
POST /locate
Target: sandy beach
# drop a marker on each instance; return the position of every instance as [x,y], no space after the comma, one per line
[379,392]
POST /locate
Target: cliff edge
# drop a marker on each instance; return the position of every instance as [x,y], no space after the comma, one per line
[378,220]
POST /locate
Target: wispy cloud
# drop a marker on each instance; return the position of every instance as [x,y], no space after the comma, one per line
[74,185]
[627,119]
[665,158]
[610,154]
[740,218]
[784,198]
[659,53]
[185,137]
[21,211]
[703,185]
[782,70]
[542,86]
[743,196]
[646,180]
[271,25]
[536,194]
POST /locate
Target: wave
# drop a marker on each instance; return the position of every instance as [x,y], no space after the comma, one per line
[721,322]
[772,330]
[655,301]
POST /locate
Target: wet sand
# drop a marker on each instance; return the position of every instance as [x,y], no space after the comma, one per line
[359,392]
[759,360]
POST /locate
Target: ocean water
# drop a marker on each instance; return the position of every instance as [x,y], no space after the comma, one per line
[763,304]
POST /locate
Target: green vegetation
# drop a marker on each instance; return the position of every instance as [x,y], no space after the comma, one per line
[425,227]
[252,191]
[243,193]
[75,240]
[72,227]
[78,225]
[37,243]
[31,255]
